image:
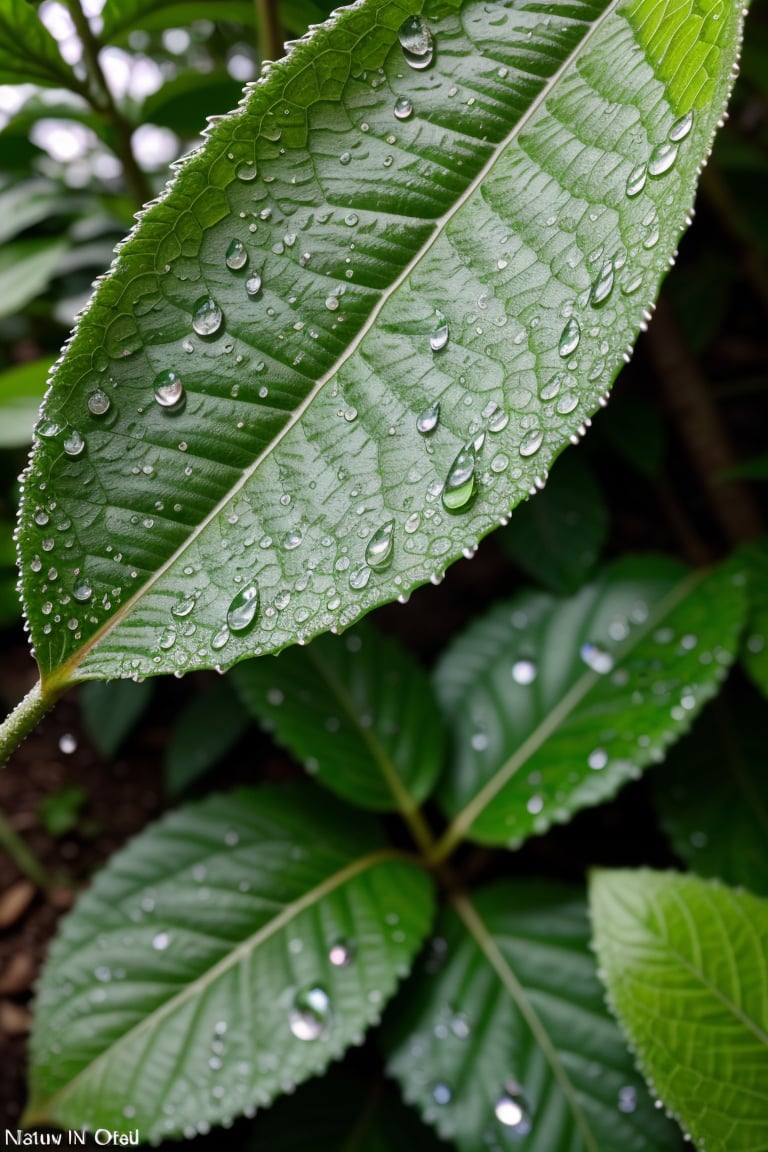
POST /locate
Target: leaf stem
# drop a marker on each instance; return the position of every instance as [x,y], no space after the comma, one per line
[16,727]
[270,40]
[100,97]
[21,854]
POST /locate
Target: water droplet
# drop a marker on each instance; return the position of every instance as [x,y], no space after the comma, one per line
[427,421]
[206,316]
[603,286]
[681,128]
[220,639]
[332,303]
[183,607]
[74,443]
[439,337]
[378,552]
[496,418]
[310,1017]
[241,613]
[403,108]
[246,172]
[168,389]
[67,743]
[341,954]
[512,1109]
[253,284]
[531,442]
[524,672]
[441,1094]
[597,759]
[359,577]
[460,484]
[160,941]
[345,158]
[46,429]
[597,658]
[627,1098]
[636,180]
[569,339]
[82,591]
[98,403]
[236,255]
[662,158]
[416,41]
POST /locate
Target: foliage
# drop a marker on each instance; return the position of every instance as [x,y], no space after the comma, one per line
[355,331]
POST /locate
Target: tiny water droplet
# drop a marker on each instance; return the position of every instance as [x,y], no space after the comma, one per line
[310,1017]
[681,128]
[524,672]
[341,954]
[597,759]
[345,158]
[662,158]
[220,639]
[98,403]
[206,316]
[439,338]
[570,337]
[637,179]
[441,1094]
[253,284]
[67,744]
[627,1098]
[378,552]
[460,483]
[236,255]
[428,420]
[603,286]
[597,658]
[74,443]
[241,613]
[512,1109]
[160,941]
[246,172]
[403,108]
[168,389]
[332,303]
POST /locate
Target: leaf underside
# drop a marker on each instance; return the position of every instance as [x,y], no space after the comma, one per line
[501,203]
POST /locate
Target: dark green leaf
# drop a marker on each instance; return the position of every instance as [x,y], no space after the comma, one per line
[504,1041]
[208,727]
[60,811]
[111,709]
[230,952]
[182,104]
[754,469]
[755,649]
[685,964]
[554,704]
[123,16]
[500,203]
[28,52]
[359,711]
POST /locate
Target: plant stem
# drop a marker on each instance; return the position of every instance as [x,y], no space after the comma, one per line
[22,856]
[270,44]
[101,100]
[15,729]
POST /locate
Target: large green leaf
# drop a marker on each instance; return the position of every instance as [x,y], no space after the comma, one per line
[713,794]
[359,711]
[508,1043]
[454,219]
[227,954]
[554,704]
[28,52]
[685,962]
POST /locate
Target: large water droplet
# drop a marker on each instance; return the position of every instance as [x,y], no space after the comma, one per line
[403,108]
[459,486]
[241,613]
[531,442]
[183,607]
[206,316]
[427,421]
[236,255]
[311,1015]
[416,41]
[82,591]
[46,429]
[253,284]
[637,179]
[378,552]
[439,337]
[597,658]
[681,128]
[603,286]
[168,389]
[98,403]
[74,443]
[569,339]
[512,1109]
[662,158]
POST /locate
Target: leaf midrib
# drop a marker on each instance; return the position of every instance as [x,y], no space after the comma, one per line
[39,1113]
[64,674]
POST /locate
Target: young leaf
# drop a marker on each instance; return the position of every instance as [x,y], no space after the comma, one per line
[111,709]
[554,704]
[465,207]
[227,954]
[207,728]
[685,965]
[504,1041]
[28,52]
[358,711]
[755,651]
[713,794]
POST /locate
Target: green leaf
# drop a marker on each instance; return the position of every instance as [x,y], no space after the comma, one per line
[60,811]
[110,711]
[208,727]
[755,650]
[342,1113]
[26,203]
[28,52]
[713,794]
[557,538]
[754,469]
[124,16]
[481,251]
[358,711]
[26,269]
[21,392]
[504,1040]
[230,952]
[554,704]
[183,103]
[684,961]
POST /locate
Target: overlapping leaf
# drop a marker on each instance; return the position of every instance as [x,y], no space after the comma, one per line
[505,1042]
[229,953]
[686,967]
[358,711]
[28,52]
[452,205]
[203,733]
[554,704]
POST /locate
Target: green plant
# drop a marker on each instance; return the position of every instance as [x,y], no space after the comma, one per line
[356,330]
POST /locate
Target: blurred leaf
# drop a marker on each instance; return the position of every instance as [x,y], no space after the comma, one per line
[26,269]
[211,723]
[686,967]
[28,202]
[754,652]
[557,536]
[359,711]
[21,392]
[249,936]
[713,794]
[123,16]
[754,469]
[111,709]
[28,52]
[554,704]
[504,1042]
[60,811]
[702,290]
[182,104]
[634,429]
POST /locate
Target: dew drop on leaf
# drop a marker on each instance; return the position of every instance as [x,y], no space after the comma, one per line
[428,420]
[637,179]
[160,941]
[74,443]
[82,591]
[359,577]
[183,607]
[512,1109]
[531,442]
[403,108]
[597,658]
[524,672]
[662,158]
[603,286]
[311,1015]
[459,486]
[341,954]
[570,337]
[597,759]
[253,284]
[246,172]
[441,1094]
[168,389]
[627,1098]
[98,403]
[681,128]
[439,338]
[416,41]
[47,429]
[236,255]
[378,552]
[241,614]
[206,316]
